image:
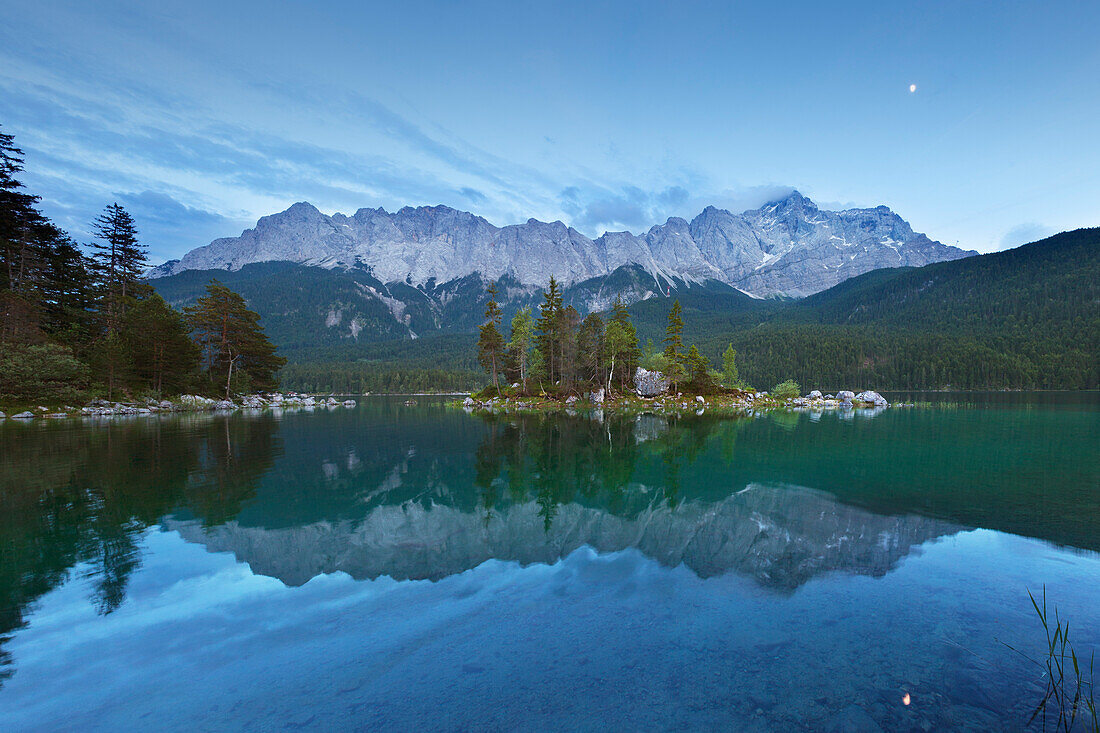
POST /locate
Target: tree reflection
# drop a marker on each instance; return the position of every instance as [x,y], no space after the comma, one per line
[74,497]
[561,459]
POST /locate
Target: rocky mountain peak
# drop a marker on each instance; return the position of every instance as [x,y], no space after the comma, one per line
[787,247]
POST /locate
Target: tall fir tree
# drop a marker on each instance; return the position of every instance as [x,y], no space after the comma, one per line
[163,356]
[569,320]
[674,343]
[490,343]
[590,350]
[622,341]
[232,341]
[119,260]
[37,260]
[548,329]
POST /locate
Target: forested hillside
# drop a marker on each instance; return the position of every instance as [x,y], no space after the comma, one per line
[1026,318]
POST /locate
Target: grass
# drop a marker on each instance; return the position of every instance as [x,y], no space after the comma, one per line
[1069,695]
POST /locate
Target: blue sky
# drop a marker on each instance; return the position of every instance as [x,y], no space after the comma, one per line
[202,116]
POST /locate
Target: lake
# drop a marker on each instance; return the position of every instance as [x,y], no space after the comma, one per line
[416,568]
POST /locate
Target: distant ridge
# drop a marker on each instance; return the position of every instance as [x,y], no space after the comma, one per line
[788,247]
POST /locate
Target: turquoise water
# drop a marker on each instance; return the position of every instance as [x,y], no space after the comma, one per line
[417,568]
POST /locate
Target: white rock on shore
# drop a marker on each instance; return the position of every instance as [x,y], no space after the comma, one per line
[650,384]
[873,397]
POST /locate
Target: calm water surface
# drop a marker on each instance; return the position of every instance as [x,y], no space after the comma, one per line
[417,568]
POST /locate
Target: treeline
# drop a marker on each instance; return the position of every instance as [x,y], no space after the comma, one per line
[560,353]
[364,377]
[76,323]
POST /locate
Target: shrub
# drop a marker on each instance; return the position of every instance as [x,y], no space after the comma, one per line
[786,390]
[42,373]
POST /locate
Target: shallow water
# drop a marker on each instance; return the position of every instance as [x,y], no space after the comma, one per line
[392,567]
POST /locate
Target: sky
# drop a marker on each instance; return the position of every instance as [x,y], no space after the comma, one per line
[199,117]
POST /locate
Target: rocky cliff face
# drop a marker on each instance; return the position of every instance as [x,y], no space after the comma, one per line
[789,247]
[781,536]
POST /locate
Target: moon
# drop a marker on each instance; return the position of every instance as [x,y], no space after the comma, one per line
[912,88]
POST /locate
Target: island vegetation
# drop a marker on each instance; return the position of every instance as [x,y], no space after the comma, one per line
[560,360]
[78,323]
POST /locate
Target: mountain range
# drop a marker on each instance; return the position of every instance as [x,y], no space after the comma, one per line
[788,247]
[354,310]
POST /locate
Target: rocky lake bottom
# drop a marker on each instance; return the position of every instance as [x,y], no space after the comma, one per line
[415,567]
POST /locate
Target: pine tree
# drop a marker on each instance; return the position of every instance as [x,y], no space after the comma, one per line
[490,344]
[549,330]
[569,322]
[674,343]
[590,349]
[698,369]
[118,259]
[523,334]
[232,340]
[163,355]
[623,343]
[29,247]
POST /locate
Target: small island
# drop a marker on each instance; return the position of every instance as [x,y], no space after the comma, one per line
[563,362]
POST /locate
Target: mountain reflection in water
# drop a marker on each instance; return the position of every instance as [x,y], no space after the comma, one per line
[427,492]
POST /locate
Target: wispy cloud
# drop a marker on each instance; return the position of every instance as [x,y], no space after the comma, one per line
[1025,233]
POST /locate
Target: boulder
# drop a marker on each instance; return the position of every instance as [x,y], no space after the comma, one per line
[596,396]
[309,401]
[815,394]
[650,384]
[571,399]
[24,415]
[468,402]
[873,397]
[2,415]
[193,401]
[845,395]
[224,405]
[351,403]
[699,398]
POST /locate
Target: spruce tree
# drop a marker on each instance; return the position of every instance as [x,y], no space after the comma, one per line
[674,343]
[698,369]
[29,250]
[590,349]
[625,343]
[569,321]
[490,344]
[163,355]
[232,341]
[549,330]
[118,259]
